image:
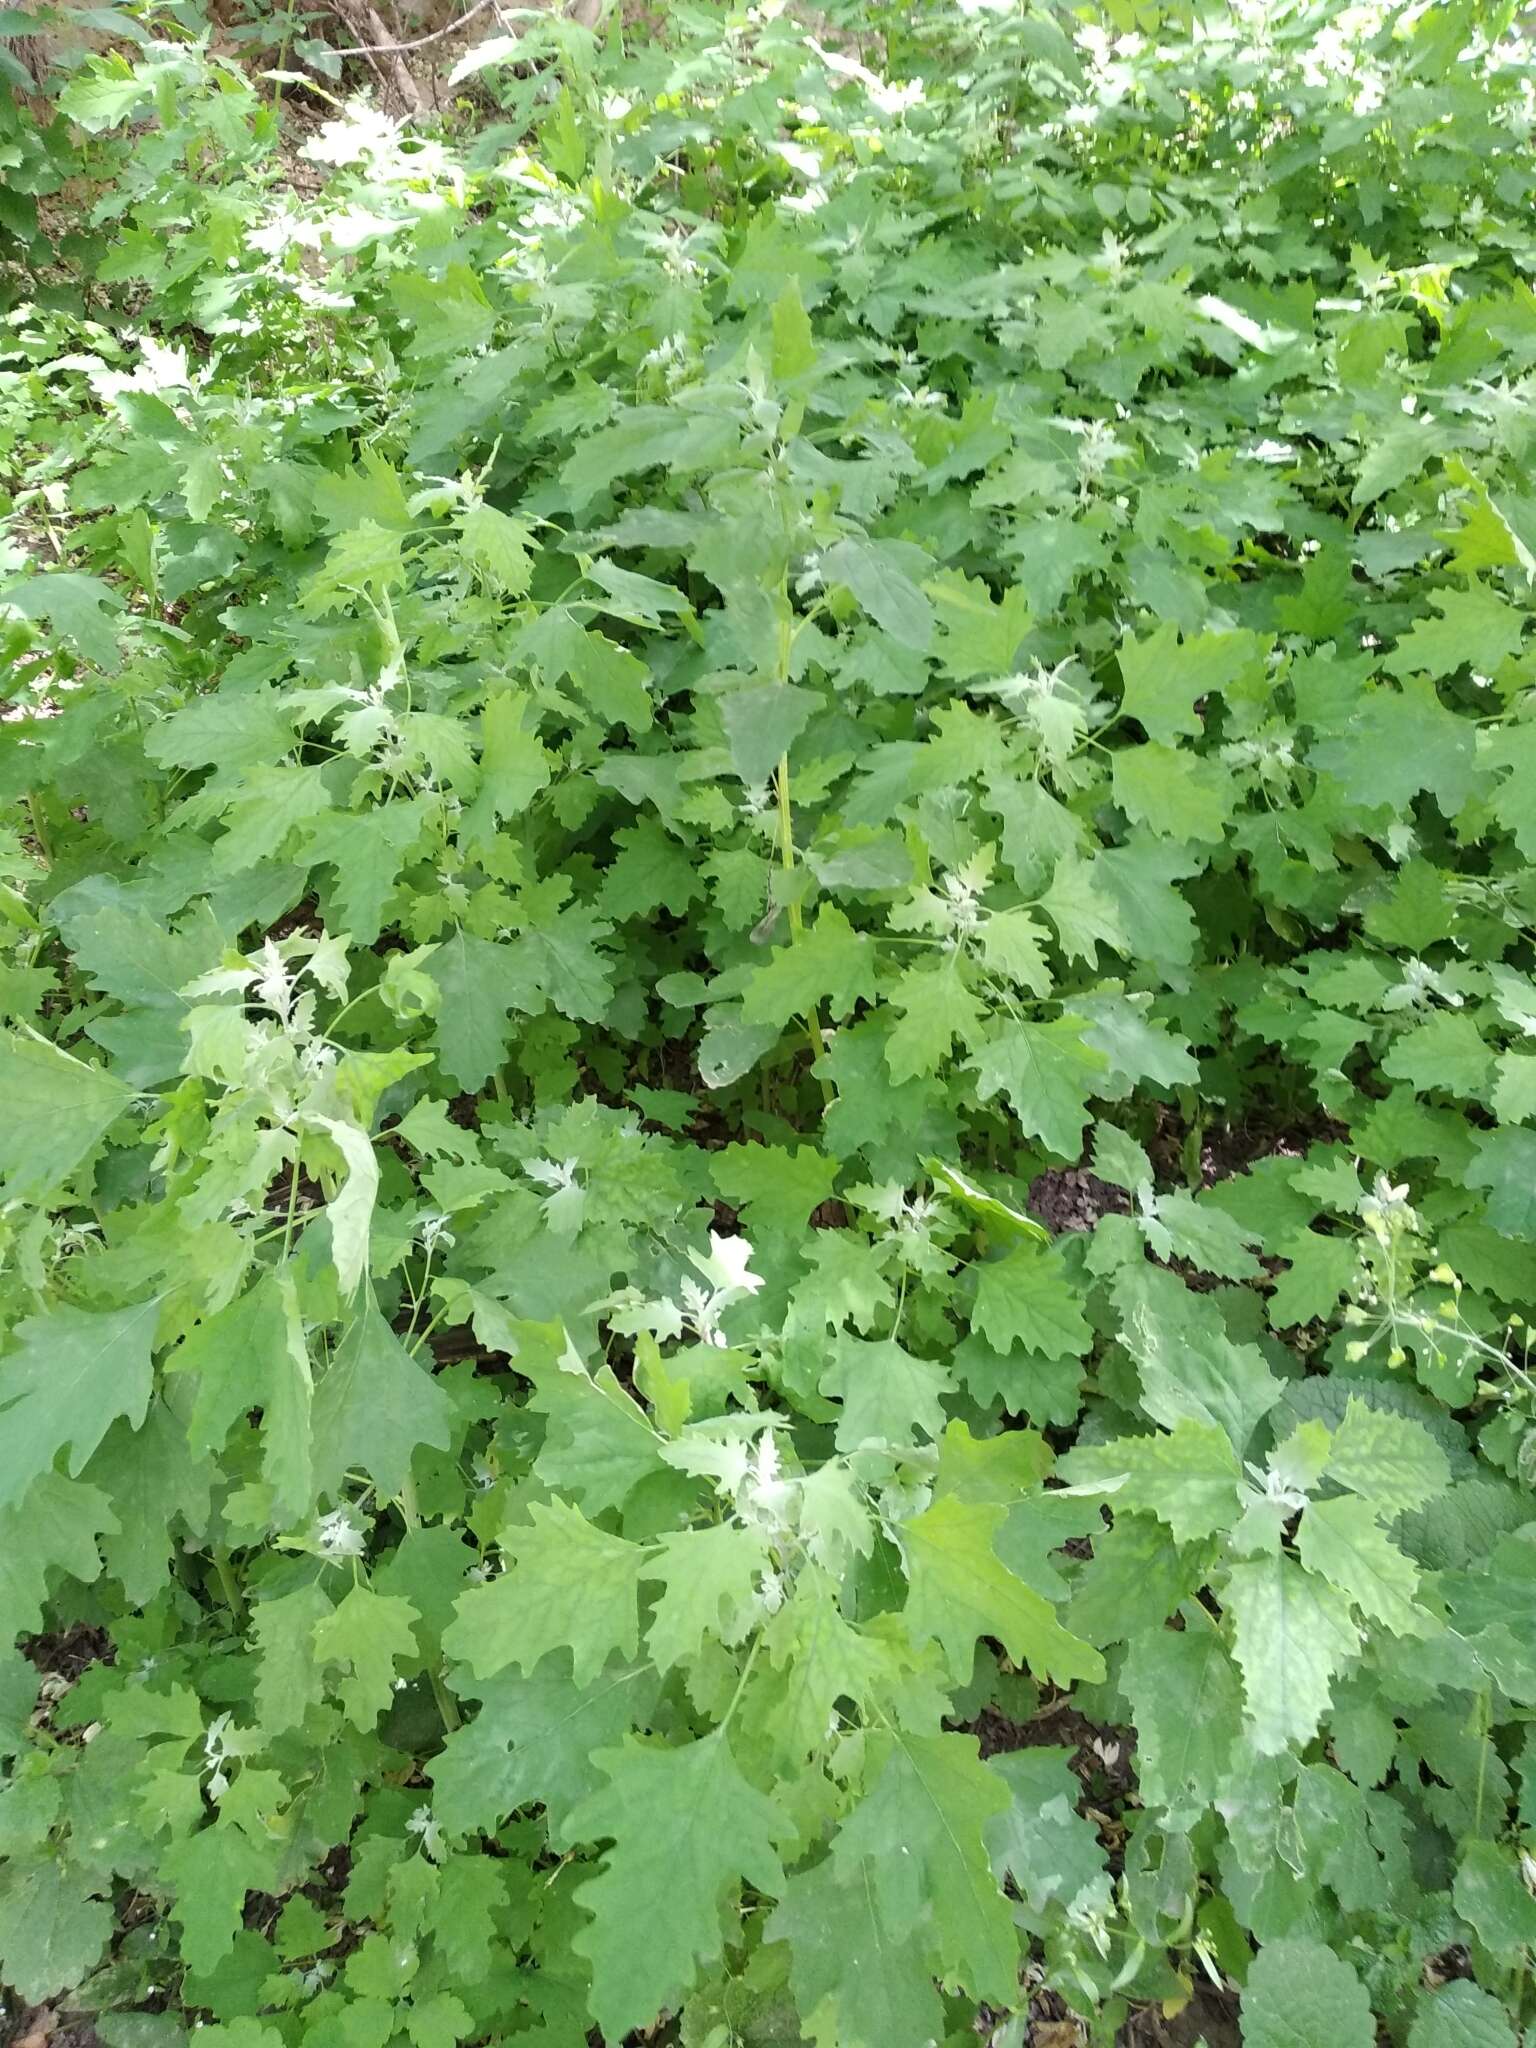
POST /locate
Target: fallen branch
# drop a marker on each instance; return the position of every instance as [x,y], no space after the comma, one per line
[437,35]
[381,53]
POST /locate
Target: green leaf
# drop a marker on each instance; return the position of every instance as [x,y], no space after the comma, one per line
[254,1351]
[1190,1369]
[559,961]
[684,1826]
[1321,1269]
[367,850]
[937,1008]
[1176,794]
[103,96]
[1475,626]
[858,1978]
[888,1397]
[709,1581]
[1186,1704]
[515,766]
[1492,1898]
[569,1585]
[288,1678]
[1342,1542]
[598,1445]
[1513,749]
[961,1589]
[1188,1478]
[1513,1100]
[1001,1221]
[130,955]
[56,1110]
[1442,1055]
[773,1187]
[479,982]
[373,1406]
[1086,916]
[1026,1298]
[152,1480]
[794,344]
[1138,1046]
[647,437]
[920,1832]
[1392,1462]
[55,1526]
[1013,941]
[1141,877]
[52,1932]
[210,1874]
[1460,2015]
[880,575]
[350,1210]
[762,722]
[1301,1995]
[1293,1635]
[498,548]
[1397,743]
[438,2021]
[1506,1166]
[79,607]
[1179,1227]
[444,313]
[534,1741]
[1164,681]
[1047,1073]
[273,805]
[830,963]
[1040,1841]
[981,633]
[74,1372]
[368,1632]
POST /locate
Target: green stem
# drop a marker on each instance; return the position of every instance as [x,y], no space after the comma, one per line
[234,1599]
[901,1302]
[293,1204]
[787,861]
[39,829]
[741,1684]
[447,1706]
[420,1337]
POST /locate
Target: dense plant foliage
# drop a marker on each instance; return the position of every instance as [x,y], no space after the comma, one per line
[621,723]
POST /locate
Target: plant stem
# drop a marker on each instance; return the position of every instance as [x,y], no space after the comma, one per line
[39,829]
[229,1586]
[796,926]
[447,1706]
[741,1684]
[293,1204]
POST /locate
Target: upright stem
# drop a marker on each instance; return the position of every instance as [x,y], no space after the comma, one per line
[787,828]
[39,829]
[796,924]
[234,1599]
[787,838]
[447,1706]
[293,1204]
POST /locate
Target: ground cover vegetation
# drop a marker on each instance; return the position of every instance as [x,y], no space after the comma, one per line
[629,722]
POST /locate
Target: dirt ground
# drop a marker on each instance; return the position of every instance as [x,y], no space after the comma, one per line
[1208,2021]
